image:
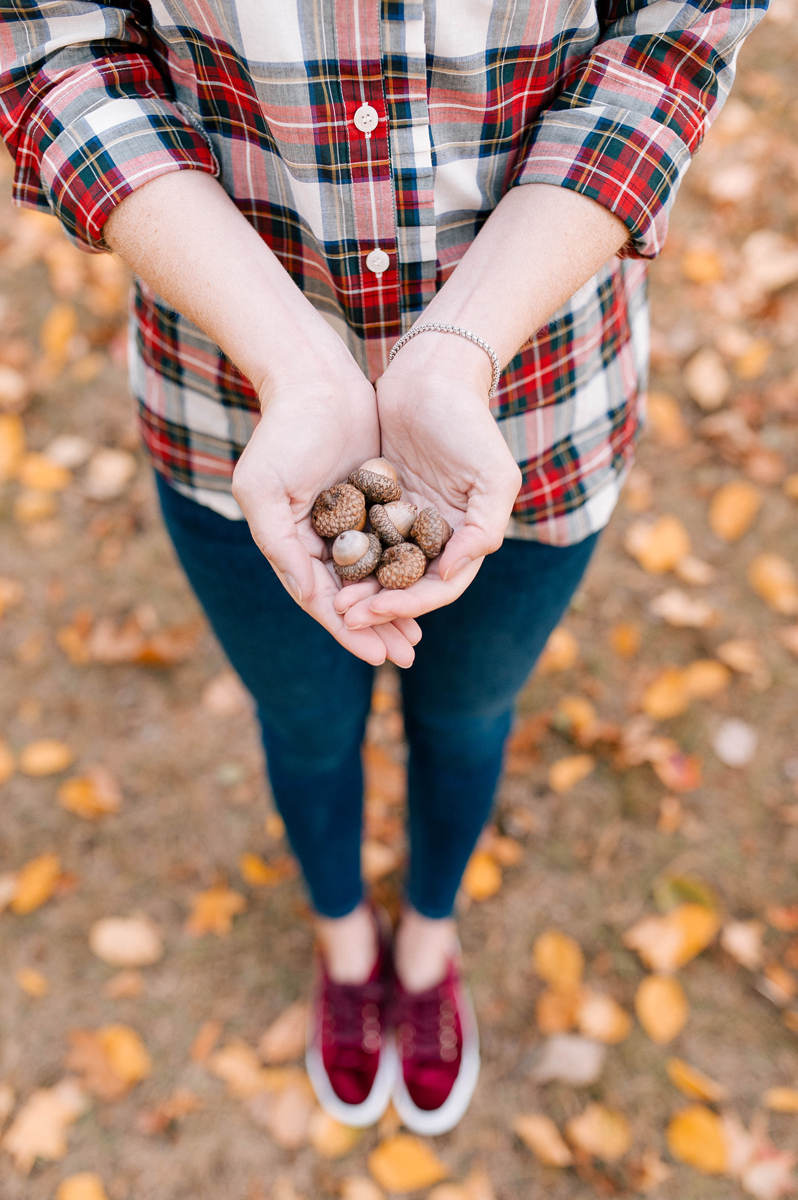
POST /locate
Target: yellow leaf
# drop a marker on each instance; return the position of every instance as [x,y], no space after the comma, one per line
[482,877]
[32,982]
[213,910]
[705,677]
[7,762]
[95,794]
[258,873]
[752,362]
[126,1053]
[58,328]
[39,1129]
[773,578]
[658,546]
[34,506]
[558,959]
[781,1099]
[567,772]
[666,421]
[126,941]
[35,883]
[791,486]
[284,1040]
[39,473]
[701,264]
[661,1007]
[556,1009]
[625,639]
[733,510]
[667,942]
[12,445]
[693,1083]
[696,1136]
[541,1135]
[329,1137]
[560,653]
[45,757]
[600,1132]
[601,1018]
[666,696]
[238,1065]
[84,1186]
[576,716]
[404,1163]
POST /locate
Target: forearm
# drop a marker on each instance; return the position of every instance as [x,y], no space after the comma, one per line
[184,236]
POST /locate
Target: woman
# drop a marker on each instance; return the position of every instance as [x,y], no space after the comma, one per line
[295,186]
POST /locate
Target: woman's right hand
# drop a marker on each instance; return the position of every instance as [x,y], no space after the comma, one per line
[316,427]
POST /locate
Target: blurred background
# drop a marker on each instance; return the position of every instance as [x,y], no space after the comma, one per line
[630,922]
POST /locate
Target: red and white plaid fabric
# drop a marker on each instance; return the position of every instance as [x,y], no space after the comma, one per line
[607,97]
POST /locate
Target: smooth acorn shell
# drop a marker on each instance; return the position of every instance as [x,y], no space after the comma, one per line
[431,532]
[383,526]
[340,508]
[401,566]
[354,572]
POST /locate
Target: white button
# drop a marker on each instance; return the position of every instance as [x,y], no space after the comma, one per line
[366,118]
[378,261]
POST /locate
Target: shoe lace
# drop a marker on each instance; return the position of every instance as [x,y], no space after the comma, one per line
[354,1010]
[423,1021]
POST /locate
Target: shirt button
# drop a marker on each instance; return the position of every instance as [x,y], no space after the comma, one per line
[377,261]
[366,118]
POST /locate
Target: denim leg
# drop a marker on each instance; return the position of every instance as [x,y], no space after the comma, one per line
[312,696]
[474,658]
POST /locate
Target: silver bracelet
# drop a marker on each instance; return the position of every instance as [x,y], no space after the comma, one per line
[434,327]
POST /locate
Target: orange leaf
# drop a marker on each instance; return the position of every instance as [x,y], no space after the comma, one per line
[35,883]
[205,1041]
[213,910]
[32,982]
[705,677]
[558,959]
[661,1007]
[7,762]
[95,794]
[329,1137]
[693,1083]
[678,772]
[666,420]
[601,1018]
[696,1136]
[39,1129]
[258,873]
[567,772]
[600,1132]
[625,639]
[83,1186]
[700,264]
[557,1009]
[482,877]
[37,472]
[667,695]
[560,653]
[733,510]
[543,1138]
[658,546]
[666,943]
[773,578]
[284,1040]
[781,1099]
[12,445]
[404,1163]
[45,757]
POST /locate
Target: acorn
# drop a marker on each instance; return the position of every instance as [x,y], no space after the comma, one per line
[341,507]
[401,565]
[431,532]
[355,554]
[378,481]
[392,522]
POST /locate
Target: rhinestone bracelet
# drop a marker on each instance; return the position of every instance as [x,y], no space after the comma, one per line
[435,327]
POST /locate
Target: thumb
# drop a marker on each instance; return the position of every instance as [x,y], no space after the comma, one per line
[483,532]
[275,533]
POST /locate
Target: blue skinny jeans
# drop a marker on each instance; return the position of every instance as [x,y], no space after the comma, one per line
[313,698]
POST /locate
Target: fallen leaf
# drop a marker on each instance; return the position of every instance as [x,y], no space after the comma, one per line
[14,391]
[657,546]
[625,639]
[735,742]
[702,264]
[213,910]
[777,984]
[576,717]
[68,450]
[32,982]
[693,1083]
[668,942]
[125,985]
[95,794]
[771,260]
[790,638]
[539,1133]
[560,653]
[601,1018]
[557,1009]
[661,1007]
[239,1067]
[666,420]
[284,1039]
[35,883]
[206,1039]
[126,941]
[404,1163]
[773,578]
[781,1099]
[358,1187]
[743,941]
[696,1136]
[12,445]
[694,571]
[225,696]
[57,330]
[285,1112]
[671,814]
[111,1060]
[706,379]
[160,1119]
[743,656]
[705,678]
[791,486]
[39,1129]
[478,1186]
[677,771]
[600,1132]
[7,1100]
[764,466]
[570,1058]
[567,772]
[667,695]
[385,778]
[523,742]
[31,507]
[558,959]
[83,1186]
[782,918]
[448,1191]
[676,608]
[378,860]
[108,474]
[12,594]
[733,510]
[482,877]
[649,1171]
[8,763]
[638,492]
[45,757]
[258,873]
[329,1137]
[506,850]
[39,473]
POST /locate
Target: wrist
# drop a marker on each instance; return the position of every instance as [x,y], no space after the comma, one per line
[446,358]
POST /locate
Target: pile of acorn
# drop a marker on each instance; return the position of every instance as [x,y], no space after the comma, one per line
[340,513]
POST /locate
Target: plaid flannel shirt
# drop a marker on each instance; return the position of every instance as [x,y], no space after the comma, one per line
[344,127]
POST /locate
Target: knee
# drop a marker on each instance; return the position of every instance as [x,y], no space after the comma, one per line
[311,743]
[459,743]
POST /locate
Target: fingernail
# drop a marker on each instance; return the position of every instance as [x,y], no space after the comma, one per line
[290,585]
[458,566]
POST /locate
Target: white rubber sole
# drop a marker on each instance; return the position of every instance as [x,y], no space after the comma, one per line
[440,1120]
[359,1116]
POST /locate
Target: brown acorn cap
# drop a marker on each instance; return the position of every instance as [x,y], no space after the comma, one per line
[431,532]
[401,566]
[340,507]
[377,480]
[364,566]
[384,527]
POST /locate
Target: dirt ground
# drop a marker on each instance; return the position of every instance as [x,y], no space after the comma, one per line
[592,858]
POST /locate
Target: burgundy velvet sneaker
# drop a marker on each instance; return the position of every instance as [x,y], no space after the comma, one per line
[350,1062]
[438,1047]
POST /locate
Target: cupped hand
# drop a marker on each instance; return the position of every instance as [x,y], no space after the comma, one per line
[313,432]
[438,431]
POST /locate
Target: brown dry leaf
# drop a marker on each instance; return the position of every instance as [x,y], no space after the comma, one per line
[35,883]
[733,510]
[32,507]
[329,1137]
[57,330]
[773,578]
[206,1039]
[661,1007]
[601,1018]
[506,850]
[126,941]
[239,1067]
[676,608]
[557,1009]
[541,1135]
[32,982]
[707,379]
[95,794]
[666,943]
[567,772]
[577,717]
[783,918]
[378,860]
[122,1051]
[258,873]
[777,984]
[791,486]
[560,653]
[743,941]
[743,656]
[12,445]
[14,390]
[693,1083]
[404,1163]
[45,757]
[158,1120]
[649,1171]
[83,1186]
[385,778]
[8,763]
[694,571]
[696,1136]
[706,677]
[523,743]
[657,546]
[38,473]
[285,1112]
[702,264]
[600,1132]
[558,959]
[638,492]
[478,1185]
[284,1040]
[482,877]
[108,474]
[781,1099]
[677,771]
[666,420]
[752,362]
[667,695]
[39,1129]
[213,910]
[125,985]
[671,814]
[358,1187]
[12,594]
[625,639]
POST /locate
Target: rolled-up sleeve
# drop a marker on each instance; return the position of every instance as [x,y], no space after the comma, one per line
[85,112]
[631,115]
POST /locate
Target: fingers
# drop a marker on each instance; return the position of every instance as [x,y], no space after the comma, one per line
[410,628]
[397,647]
[429,593]
[485,523]
[352,592]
